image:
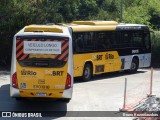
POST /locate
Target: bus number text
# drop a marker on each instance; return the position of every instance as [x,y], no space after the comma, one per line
[41,86]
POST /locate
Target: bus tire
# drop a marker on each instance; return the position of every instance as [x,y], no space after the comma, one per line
[66,100]
[134,65]
[87,72]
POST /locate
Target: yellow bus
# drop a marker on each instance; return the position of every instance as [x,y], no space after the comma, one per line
[107,46]
[42,63]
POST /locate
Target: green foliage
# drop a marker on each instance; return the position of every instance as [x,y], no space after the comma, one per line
[87,9]
[154,11]
[69,9]
[15,14]
[137,14]
[142,11]
[156,47]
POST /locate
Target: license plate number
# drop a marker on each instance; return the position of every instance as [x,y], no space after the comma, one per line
[40,94]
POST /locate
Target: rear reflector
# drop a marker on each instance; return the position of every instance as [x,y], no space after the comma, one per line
[68,81]
[14,80]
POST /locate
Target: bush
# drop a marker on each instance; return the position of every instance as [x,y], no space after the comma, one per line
[155,40]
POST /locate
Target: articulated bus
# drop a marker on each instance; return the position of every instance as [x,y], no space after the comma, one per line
[45,58]
[42,63]
[107,46]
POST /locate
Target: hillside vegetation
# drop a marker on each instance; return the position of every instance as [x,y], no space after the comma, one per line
[15,14]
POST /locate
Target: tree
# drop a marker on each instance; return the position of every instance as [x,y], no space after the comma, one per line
[15,14]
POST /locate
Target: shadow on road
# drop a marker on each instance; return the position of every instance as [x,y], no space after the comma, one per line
[42,105]
[107,76]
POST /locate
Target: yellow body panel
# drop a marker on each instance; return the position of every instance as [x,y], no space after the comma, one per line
[110,60]
[41,56]
[48,80]
[95,22]
[44,28]
[85,28]
[102,62]
[49,93]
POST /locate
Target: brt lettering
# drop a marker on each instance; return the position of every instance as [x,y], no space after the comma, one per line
[99,57]
[57,73]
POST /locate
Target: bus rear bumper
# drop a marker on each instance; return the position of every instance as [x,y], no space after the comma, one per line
[14,92]
[67,93]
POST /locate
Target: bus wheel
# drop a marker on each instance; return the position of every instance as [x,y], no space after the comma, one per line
[134,66]
[87,72]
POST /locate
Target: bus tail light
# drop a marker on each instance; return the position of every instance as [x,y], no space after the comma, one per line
[68,81]
[14,80]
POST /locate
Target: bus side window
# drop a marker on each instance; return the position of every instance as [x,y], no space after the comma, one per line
[101,41]
[137,39]
[74,42]
[147,41]
[88,41]
[118,39]
[79,42]
[109,39]
[125,39]
[84,42]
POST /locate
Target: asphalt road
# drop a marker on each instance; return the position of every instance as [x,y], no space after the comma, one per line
[104,93]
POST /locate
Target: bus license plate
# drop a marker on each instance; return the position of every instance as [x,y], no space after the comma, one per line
[40,94]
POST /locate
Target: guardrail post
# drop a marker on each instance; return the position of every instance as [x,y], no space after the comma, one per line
[151,81]
[125,90]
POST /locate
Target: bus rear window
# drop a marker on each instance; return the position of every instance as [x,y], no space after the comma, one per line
[42,51]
